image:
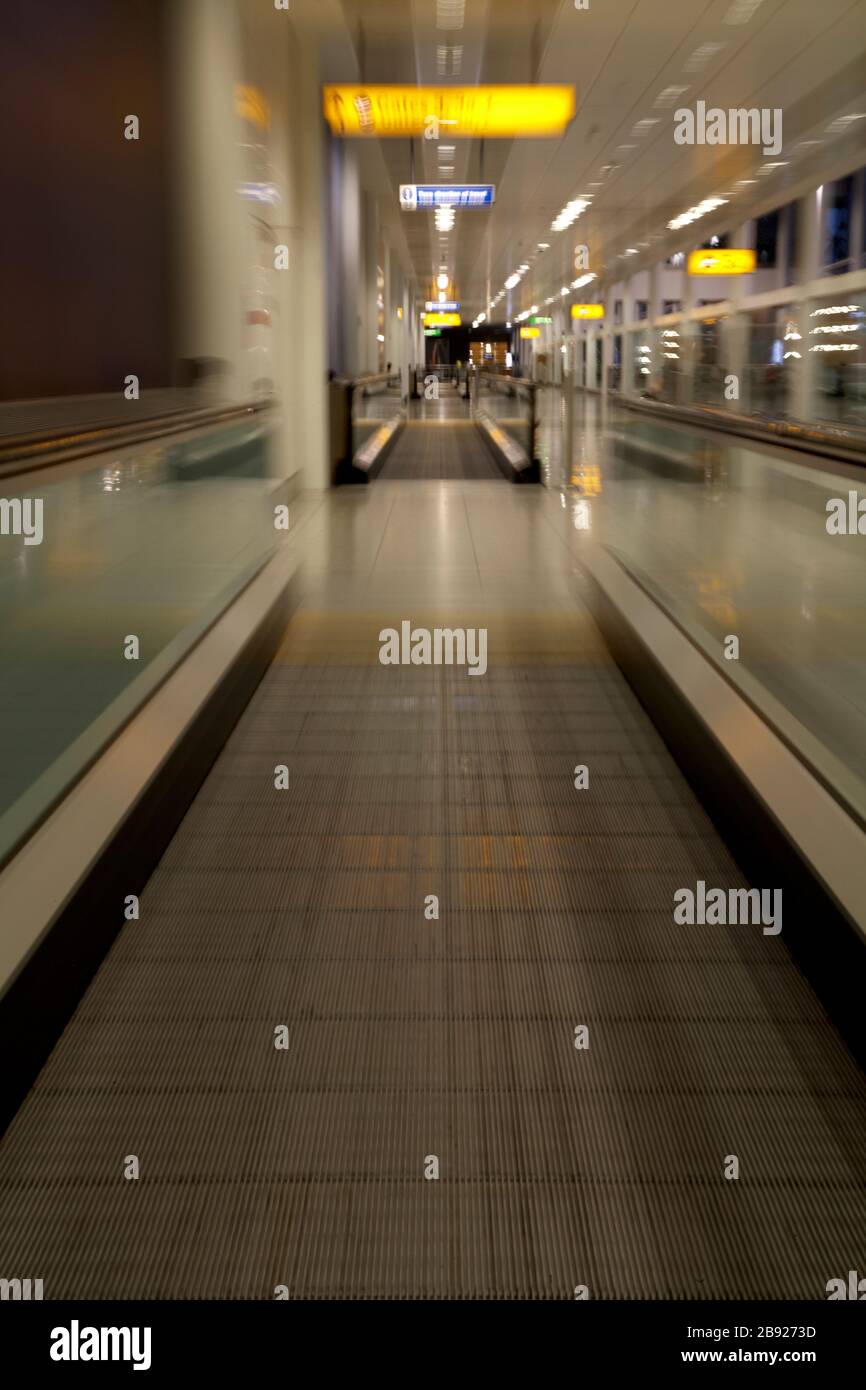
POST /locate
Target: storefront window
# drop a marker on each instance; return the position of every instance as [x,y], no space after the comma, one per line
[773,348]
[645,366]
[709,371]
[667,364]
[837,342]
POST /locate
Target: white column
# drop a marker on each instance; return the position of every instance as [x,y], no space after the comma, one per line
[628,372]
[555,333]
[391,299]
[810,214]
[368,350]
[204,47]
[605,339]
[348,214]
[404,331]
[735,332]
[303,328]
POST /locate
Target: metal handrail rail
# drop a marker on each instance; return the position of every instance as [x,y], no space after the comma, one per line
[832,441]
[374,378]
[532,389]
[528,382]
[41,448]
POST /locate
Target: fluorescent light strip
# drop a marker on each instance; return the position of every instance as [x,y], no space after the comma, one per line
[692,214]
[450,14]
[569,214]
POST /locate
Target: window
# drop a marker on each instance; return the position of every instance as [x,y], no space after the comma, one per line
[793,221]
[640,308]
[672,306]
[766,236]
[837,225]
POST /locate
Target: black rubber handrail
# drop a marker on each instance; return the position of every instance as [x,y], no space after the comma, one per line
[826,440]
[42,448]
[506,380]
[374,378]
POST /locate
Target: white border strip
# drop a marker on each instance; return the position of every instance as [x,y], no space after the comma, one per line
[38,883]
[832,843]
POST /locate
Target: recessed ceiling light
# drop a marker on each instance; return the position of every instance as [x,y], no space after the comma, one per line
[449,60]
[741,11]
[692,214]
[449,14]
[701,56]
[569,214]
[668,95]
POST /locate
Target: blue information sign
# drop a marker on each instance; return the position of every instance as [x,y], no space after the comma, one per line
[416,197]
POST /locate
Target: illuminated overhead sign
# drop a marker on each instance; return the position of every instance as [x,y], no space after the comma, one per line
[415,197]
[504,112]
[587,311]
[448,306]
[442,320]
[721,262]
[530,332]
[432,332]
[540,318]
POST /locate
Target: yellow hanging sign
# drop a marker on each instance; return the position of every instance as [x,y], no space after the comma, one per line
[504,112]
[587,311]
[727,261]
[530,332]
[442,320]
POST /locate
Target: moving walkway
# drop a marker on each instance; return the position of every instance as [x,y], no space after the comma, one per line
[347,919]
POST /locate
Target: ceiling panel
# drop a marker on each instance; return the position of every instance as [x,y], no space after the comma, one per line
[624,57]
